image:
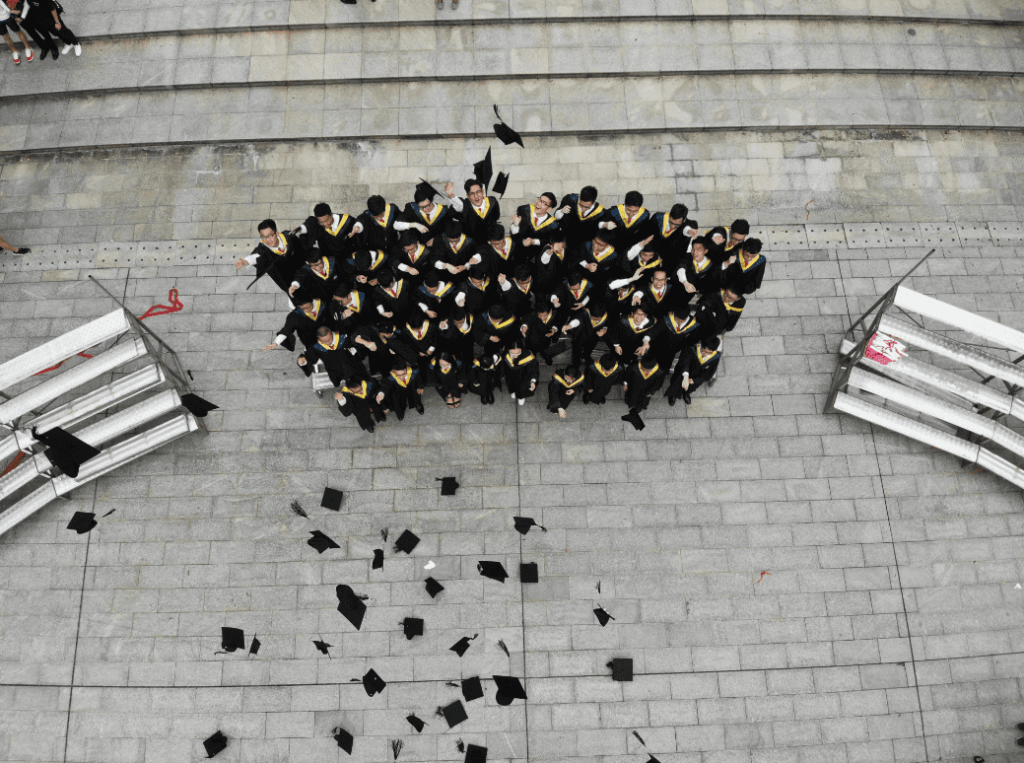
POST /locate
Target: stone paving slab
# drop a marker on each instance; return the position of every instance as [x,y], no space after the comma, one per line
[363,54]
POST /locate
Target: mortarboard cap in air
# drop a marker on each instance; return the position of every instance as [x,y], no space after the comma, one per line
[500,184]
[454,714]
[426,188]
[232,639]
[472,688]
[344,739]
[483,170]
[492,570]
[197,406]
[378,559]
[322,647]
[634,418]
[64,450]
[448,485]
[506,134]
[622,669]
[82,522]
[373,683]
[433,587]
[321,542]
[460,646]
[476,754]
[350,605]
[331,499]
[406,542]
[413,626]
[523,525]
[652,759]
[528,572]
[396,747]
[509,688]
[215,744]
[254,647]
[416,723]
[602,616]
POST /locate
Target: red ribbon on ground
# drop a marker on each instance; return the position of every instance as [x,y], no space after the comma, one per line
[175,306]
[17,460]
[54,368]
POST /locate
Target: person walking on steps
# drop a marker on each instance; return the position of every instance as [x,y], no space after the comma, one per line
[9,24]
[40,36]
[46,16]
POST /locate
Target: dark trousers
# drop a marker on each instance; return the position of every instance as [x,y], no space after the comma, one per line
[39,35]
[64,34]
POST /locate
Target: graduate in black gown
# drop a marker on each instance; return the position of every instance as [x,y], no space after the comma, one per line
[679,331]
[629,220]
[308,315]
[633,334]
[533,226]
[457,335]
[455,253]
[501,253]
[329,232]
[580,216]
[477,292]
[601,377]
[719,311]
[362,399]
[585,330]
[550,267]
[378,228]
[641,381]
[335,351]
[541,330]
[697,366]
[392,298]
[411,260]
[425,211]
[698,275]
[521,371]
[349,308]
[448,378]
[318,277]
[278,255]
[744,270]
[403,389]
[668,229]
[517,293]
[496,330]
[563,388]
[477,210]
[484,377]
[422,335]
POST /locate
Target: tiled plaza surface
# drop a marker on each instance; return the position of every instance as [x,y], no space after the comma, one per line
[793,586]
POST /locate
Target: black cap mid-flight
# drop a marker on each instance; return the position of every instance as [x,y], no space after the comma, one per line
[427,188]
[472,688]
[321,542]
[406,542]
[483,170]
[197,406]
[523,525]
[500,184]
[350,605]
[344,739]
[476,754]
[602,616]
[454,714]
[460,646]
[509,688]
[412,626]
[254,647]
[448,485]
[416,723]
[634,418]
[331,499]
[373,683]
[378,559]
[215,744]
[64,450]
[492,570]
[232,639]
[506,134]
[82,522]
[622,669]
[322,647]
[528,572]
[433,587]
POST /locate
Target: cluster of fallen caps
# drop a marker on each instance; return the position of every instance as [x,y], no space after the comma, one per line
[352,607]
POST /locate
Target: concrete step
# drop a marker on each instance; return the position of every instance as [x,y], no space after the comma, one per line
[360,55]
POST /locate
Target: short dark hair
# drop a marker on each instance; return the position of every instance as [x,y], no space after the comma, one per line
[752,245]
[496,233]
[313,255]
[375,205]
[267,224]
[649,360]
[634,199]
[323,331]
[302,297]
[522,273]
[385,277]
[321,209]
[453,229]
[468,185]
[408,238]
[589,193]
[607,360]
[422,194]
[458,313]
[550,195]
[431,280]
[740,226]
[678,212]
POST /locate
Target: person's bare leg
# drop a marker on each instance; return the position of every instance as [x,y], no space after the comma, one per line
[24,40]
[10,44]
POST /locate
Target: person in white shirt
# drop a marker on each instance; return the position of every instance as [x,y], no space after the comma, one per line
[9,24]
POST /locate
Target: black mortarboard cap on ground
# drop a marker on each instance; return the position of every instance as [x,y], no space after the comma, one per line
[232,639]
[332,499]
[406,542]
[344,739]
[492,570]
[254,647]
[197,406]
[505,133]
[64,450]
[509,688]
[321,542]
[416,723]
[373,683]
[622,669]
[448,485]
[460,646]
[351,606]
[454,714]
[433,587]
[82,522]
[500,184]
[634,418]
[322,647]
[413,626]
[476,754]
[523,525]
[528,572]
[215,744]
[472,688]
[602,616]
[483,170]
[426,187]
[652,759]
[378,559]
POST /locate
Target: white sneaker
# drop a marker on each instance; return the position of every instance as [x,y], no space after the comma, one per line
[522,401]
[78,50]
[17,58]
[513,395]
[66,50]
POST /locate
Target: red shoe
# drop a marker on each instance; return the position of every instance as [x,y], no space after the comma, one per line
[28,56]
[17,58]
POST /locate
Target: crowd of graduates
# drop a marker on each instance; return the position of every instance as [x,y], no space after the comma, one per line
[395,301]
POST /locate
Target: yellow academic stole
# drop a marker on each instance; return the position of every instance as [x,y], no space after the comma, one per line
[625,217]
[644,373]
[566,384]
[333,344]
[403,382]
[327,269]
[341,224]
[387,215]
[600,369]
[315,312]
[359,391]
[595,209]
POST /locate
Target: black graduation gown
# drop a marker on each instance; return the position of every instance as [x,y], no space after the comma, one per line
[701,371]
[539,335]
[520,373]
[671,245]
[484,377]
[400,396]
[548,275]
[705,277]
[679,331]
[381,359]
[474,299]
[505,261]
[608,266]
[527,230]
[341,365]
[585,337]
[319,285]
[456,253]
[623,305]
[451,383]
[399,303]
[333,242]
[422,261]
[716,317]
[378,236]
[441,302]
[475,223]
[579,229]
[598,382]
[421,343]
[640,388]
[561,393]
[627,235]
[299,323]
[745,279]
[504,330]
[280,266]
[567,299]
[361,401]
[458,340]
[658,307]
[434,222]
[364,264]
[360,309]
[515,300]
[630,337]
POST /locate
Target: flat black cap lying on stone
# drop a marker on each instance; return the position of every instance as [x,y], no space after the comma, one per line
[472,688]
[373,683]
[331,499]
[509,688]
[454,714]
[622,669]
[433,587]
[406,542]
[492,570]
[197,406]
[412,626]
[448,485]
[215,744]
[476,754]
[528,572]
[82,522]
[321,542]
[350,605]
[344,739]
[232,639]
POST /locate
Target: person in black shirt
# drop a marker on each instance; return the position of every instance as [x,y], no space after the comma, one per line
[478,211]
[45,17]
[423,210]
[331,233]
[602,375]
[448,378]
[403,389]
[563,388]
[697,366]
[279,255]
